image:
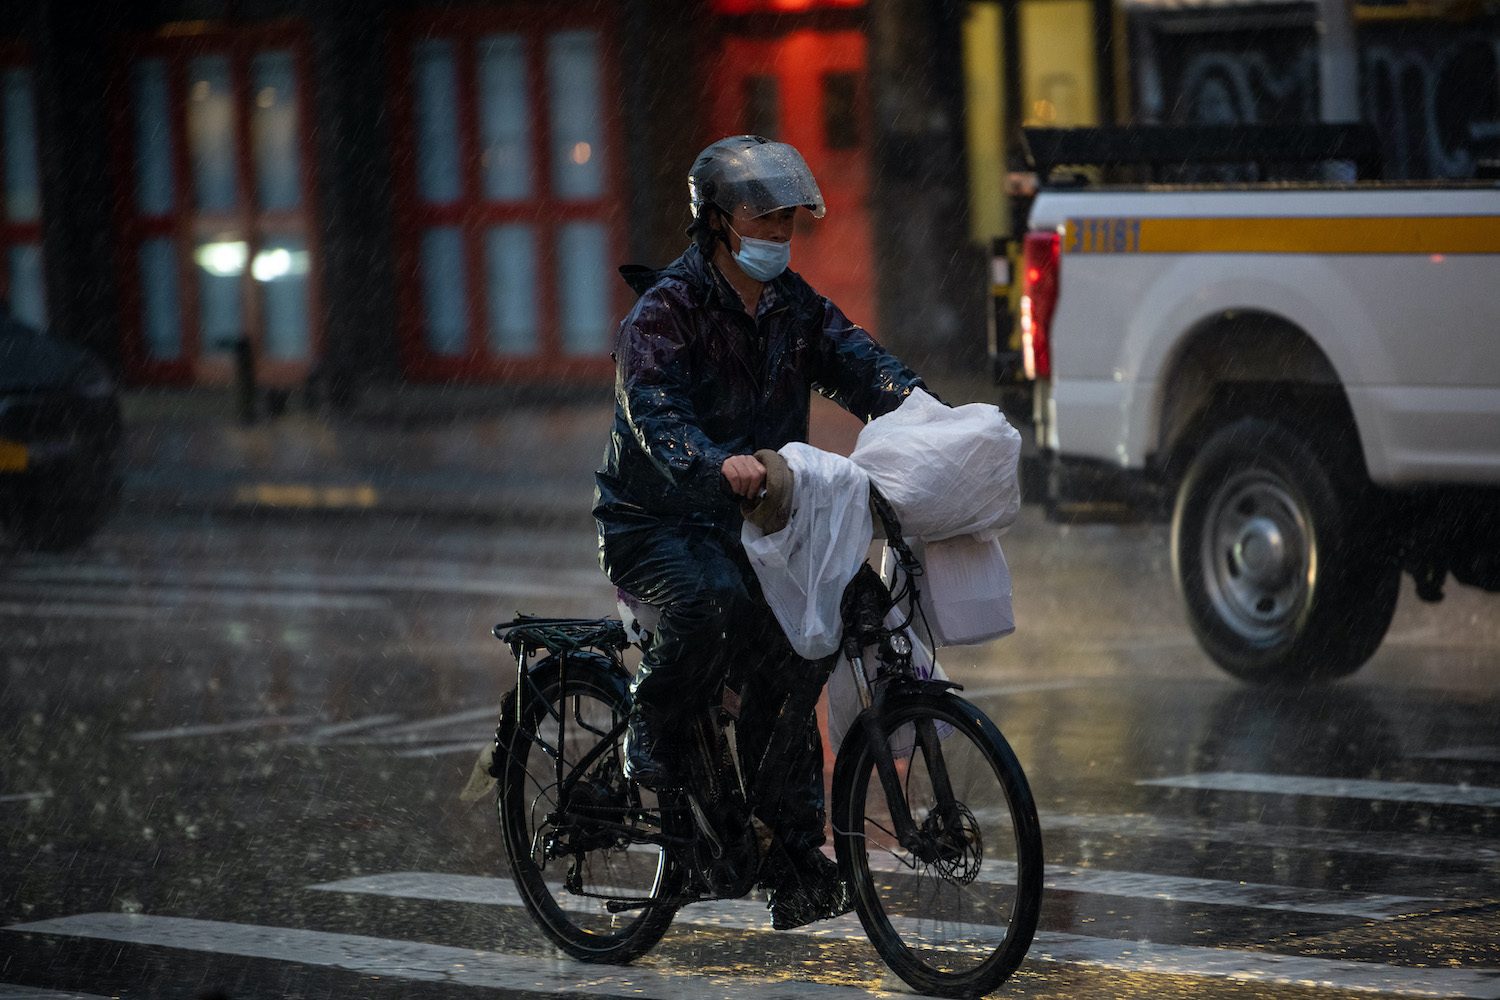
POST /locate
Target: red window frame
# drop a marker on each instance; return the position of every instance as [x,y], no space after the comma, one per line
[176,45]
[15,55]
[472,213]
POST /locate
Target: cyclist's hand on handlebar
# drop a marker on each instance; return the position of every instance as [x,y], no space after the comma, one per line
[744,474]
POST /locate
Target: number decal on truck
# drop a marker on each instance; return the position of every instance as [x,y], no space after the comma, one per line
[1102,236]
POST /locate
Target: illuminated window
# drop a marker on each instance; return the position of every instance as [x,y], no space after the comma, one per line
[509,216]
[218,227]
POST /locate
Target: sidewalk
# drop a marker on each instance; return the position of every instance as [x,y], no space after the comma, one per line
[485,454]
[454,453]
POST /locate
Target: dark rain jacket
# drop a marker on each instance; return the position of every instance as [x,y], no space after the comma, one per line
[698,380]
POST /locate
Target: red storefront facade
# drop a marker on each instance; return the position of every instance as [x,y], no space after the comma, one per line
[409,192]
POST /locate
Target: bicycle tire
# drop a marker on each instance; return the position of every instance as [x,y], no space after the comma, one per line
[607,863]
[958,924]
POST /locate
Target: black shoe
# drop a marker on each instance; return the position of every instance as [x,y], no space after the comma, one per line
[807,889]
[649,755]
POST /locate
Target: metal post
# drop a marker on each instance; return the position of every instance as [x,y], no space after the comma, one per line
[1338,73]
[244,377]
[1338,63]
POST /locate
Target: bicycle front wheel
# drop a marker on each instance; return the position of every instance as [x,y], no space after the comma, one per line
[573,824]
[951,910]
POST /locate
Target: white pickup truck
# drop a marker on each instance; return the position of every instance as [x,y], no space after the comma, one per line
[1307,377]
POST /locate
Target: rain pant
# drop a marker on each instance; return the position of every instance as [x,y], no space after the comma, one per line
[699,380]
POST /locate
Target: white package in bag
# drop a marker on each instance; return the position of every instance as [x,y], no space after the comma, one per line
[966,590]
[946,470]
[804,568]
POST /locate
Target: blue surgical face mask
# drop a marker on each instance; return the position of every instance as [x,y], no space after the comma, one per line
[762,259]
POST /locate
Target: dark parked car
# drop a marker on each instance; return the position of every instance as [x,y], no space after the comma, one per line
[59,438]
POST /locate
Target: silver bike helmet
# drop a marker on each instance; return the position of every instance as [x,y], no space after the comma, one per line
[753,173]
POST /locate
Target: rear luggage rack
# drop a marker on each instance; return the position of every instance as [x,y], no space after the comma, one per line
[528,633]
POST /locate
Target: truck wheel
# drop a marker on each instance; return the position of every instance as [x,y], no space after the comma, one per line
[1283,577]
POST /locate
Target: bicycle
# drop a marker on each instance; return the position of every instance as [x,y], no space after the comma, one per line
[934,825]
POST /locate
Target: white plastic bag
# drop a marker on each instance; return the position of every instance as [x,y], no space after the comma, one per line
[639,618]
[946,470]
[804,568]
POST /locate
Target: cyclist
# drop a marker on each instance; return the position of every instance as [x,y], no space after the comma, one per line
[716,361]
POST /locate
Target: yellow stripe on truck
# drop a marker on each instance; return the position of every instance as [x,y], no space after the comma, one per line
[1458,234]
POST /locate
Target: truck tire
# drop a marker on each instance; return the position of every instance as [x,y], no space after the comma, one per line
[1275,551]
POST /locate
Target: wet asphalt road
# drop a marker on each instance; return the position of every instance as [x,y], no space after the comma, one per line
[210,727]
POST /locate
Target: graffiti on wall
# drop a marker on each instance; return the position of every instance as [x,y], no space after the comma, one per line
[1223,87]
[1436,106]
[1431,91]
[1232,83]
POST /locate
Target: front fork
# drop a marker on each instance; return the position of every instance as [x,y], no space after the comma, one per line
[873,700]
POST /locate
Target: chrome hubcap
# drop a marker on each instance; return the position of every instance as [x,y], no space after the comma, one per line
[1257,556]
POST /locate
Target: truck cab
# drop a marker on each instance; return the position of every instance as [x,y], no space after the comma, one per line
[1303,376]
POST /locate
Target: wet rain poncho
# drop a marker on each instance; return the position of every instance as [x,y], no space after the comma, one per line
[699,380]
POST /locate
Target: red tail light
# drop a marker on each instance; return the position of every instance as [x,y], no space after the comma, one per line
[1038,300]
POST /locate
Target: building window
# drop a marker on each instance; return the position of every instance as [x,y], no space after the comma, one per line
[508,206]
[762,105]
[218,235]
[21,281]
[841,113]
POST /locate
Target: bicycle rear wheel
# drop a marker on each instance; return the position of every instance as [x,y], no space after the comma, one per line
[953,911]
[566,811]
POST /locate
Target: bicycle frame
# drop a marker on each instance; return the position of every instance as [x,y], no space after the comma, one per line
[865,603]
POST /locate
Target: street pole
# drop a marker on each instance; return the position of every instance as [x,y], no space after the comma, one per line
[1338,63]
[930,279]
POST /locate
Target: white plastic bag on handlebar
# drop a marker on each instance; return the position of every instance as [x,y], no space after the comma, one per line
[946,470]
[804,568]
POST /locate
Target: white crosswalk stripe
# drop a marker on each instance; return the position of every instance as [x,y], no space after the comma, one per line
[421,962]
[73,609]
[1266,967]
[1342,788]
[216,728]
[1418,846]
[8,992]
[1249,895]
[337,729]
[1478,755]
[1133,885]
[25,796]
[468,730]
[443,749]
